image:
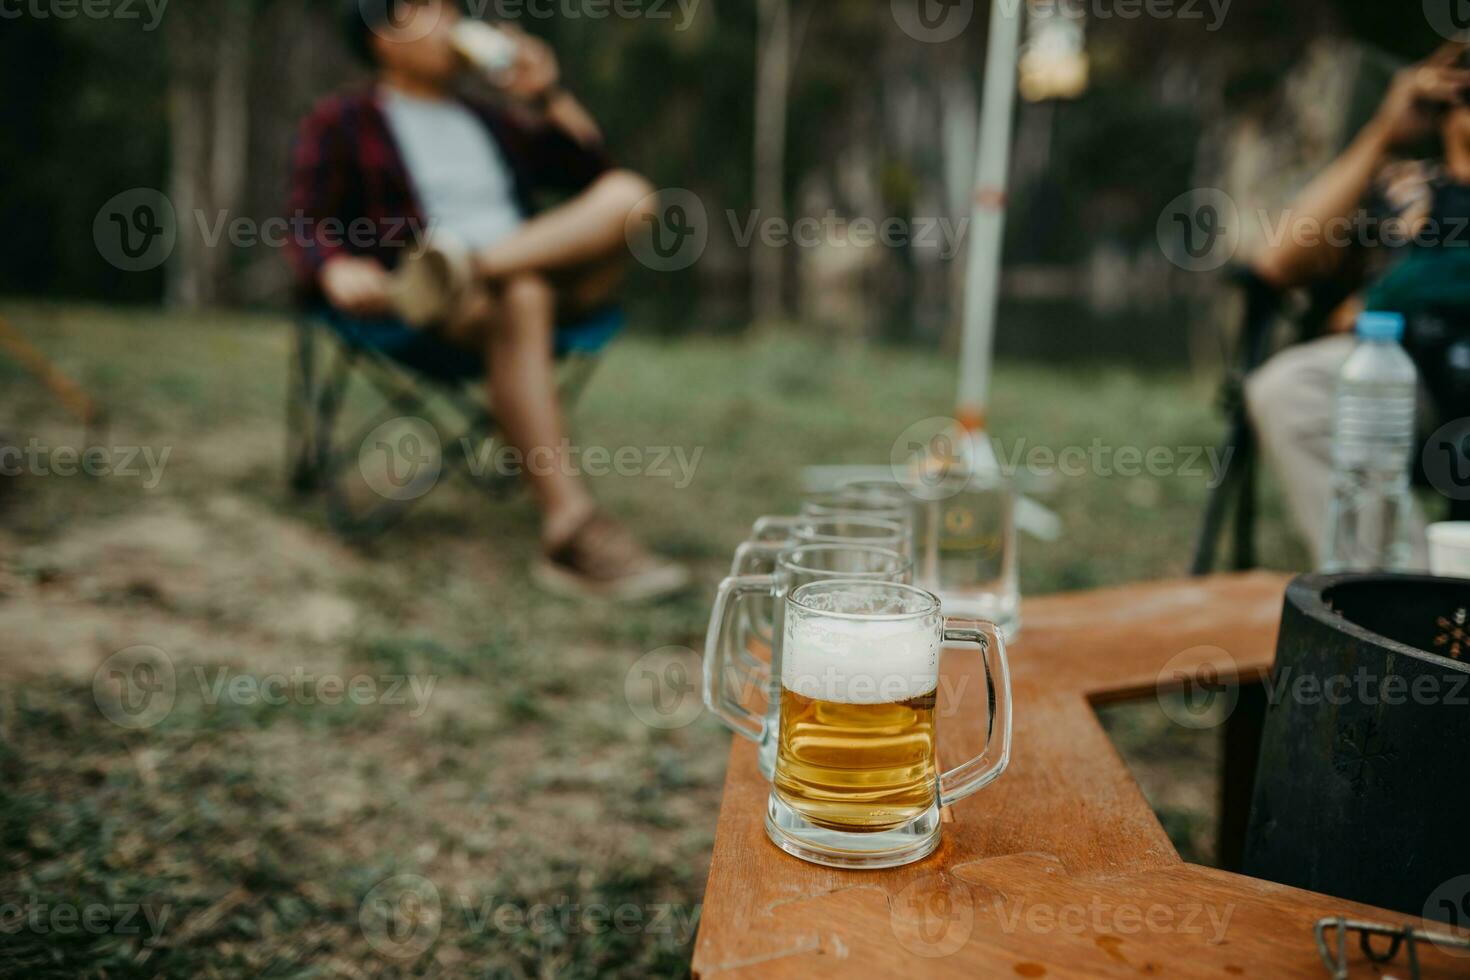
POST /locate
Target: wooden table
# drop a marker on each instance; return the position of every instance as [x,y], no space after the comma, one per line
[1059,868]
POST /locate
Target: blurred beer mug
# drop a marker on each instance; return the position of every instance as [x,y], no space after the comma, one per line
[968,553]
[729,676]
[918,502]
[837,505]
[857,781]
[770,536]
[851,502]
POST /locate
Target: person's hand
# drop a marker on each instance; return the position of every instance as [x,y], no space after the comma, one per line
[536,73]
[1419,93]
[356,285]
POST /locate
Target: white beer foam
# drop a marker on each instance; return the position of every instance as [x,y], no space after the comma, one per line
[859,661]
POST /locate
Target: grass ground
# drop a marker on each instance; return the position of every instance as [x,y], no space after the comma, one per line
[543,828]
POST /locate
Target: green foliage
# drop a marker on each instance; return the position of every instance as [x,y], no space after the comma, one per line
[90,117]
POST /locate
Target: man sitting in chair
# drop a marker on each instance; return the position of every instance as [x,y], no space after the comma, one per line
[409,153]
[1407,250]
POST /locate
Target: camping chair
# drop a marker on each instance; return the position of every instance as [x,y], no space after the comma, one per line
[429,381]
[1235,494]
[1234,497]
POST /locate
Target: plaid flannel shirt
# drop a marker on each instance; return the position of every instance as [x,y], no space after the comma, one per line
[352,193]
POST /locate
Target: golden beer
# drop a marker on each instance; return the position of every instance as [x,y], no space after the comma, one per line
[860,768]
[857,782]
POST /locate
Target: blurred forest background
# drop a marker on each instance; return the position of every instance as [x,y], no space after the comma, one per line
[534,777]
[792,107]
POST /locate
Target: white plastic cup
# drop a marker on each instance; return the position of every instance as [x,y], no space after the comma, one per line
[1449,549]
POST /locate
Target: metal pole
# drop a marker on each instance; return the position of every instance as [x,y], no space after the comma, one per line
[988,214]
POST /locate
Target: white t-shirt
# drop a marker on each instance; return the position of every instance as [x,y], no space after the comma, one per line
[463,181]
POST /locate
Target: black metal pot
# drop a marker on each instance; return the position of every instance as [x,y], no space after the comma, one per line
[1363,783]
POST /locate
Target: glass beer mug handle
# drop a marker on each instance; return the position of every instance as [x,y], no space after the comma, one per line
[763,527]
[964,779]
[719,672]
[757,557]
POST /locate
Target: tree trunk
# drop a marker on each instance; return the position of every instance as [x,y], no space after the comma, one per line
[231,133]
[187,281]
[209,57]
[772,86]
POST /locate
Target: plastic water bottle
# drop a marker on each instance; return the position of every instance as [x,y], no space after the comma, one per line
[1372,449]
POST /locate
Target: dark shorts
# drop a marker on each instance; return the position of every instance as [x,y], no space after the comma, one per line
[426,353]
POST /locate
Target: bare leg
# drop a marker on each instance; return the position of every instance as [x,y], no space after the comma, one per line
[586,554]
[523,393]
[584,230]
[590,287]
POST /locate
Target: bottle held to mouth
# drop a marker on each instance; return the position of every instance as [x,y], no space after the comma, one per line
[485,49]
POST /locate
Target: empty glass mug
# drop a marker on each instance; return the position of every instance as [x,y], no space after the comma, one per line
[965,546]
[839,504]
[770,536]
[857,781]
[970,550]
[728,677]
[918,503]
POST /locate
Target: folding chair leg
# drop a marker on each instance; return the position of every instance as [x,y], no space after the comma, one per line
[1236,490]
[303,472]
[1245,507]
[348,516]
[319,458]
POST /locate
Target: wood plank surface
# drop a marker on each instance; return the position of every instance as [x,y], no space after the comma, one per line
[1060,867]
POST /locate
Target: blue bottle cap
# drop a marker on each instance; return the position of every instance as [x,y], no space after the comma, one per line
[1379,325]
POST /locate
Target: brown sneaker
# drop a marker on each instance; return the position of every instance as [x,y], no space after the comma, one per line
[602,560]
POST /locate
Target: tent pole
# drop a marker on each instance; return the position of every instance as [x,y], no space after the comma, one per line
[987,222]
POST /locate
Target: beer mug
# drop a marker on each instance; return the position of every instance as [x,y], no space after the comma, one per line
[758,556]
[971,550]
[918,503]
[769,536]
[727,678]
[840,505]
[857,781]
[965,547]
